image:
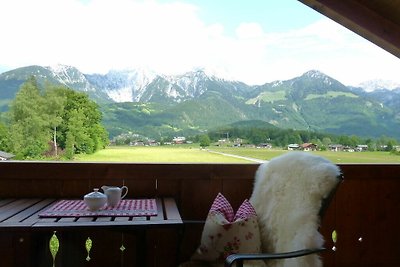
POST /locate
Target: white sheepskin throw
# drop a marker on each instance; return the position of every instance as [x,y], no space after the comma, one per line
[287,197]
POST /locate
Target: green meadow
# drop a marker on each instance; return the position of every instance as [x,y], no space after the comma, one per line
[194,154]
[337,157]
[158,154]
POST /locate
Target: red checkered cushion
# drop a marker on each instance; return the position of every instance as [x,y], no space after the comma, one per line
[222,205]
[246,210]
[227,233]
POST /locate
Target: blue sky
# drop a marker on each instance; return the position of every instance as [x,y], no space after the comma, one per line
[281,15]
[254,41]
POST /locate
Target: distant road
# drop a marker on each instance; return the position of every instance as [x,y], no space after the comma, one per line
[236,156]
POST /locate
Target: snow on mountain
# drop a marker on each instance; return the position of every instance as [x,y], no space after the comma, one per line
[123,94]
[70,77]
[217,74]
[315,74]
[379,84]
[123,85]
[144,85]
[131,85]
[276,83]
[66,74]
[140,78]
[190,84]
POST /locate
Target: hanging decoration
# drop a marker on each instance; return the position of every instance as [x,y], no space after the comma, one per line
[334,239]
[54,245]
[122,247]
[88,246]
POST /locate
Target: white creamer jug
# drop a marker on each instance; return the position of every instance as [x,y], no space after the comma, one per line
[114,194]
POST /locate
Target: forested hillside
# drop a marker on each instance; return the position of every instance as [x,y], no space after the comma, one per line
[160,106]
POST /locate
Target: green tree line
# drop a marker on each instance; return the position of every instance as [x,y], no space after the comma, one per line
[53,122]
[283,137]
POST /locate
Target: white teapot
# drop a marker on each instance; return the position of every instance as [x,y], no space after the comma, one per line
[114,194]
[95,200]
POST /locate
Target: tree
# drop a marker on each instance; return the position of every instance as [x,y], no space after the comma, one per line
[351,141]
[204,140]
[257,136]
[78,131]
[294,138]
[4,142]
[60,116]
[326,141]
[390,145]
[82,122]
[54,108]
[29,128]
[69,146]
[371,145]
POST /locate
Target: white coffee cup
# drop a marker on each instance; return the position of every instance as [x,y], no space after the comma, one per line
[114,194]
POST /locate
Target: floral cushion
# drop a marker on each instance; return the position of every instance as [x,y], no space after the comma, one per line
[228,233]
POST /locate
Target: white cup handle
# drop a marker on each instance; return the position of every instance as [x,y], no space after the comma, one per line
[126,191]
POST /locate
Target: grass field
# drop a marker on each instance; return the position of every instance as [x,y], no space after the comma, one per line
[337,157]
[158,154]
[194,154]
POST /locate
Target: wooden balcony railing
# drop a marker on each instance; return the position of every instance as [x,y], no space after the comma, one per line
[365,212]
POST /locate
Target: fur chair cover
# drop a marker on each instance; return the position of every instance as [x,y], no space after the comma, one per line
[287,197]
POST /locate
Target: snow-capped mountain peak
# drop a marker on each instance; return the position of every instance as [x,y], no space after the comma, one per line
[314,74]
[317,75]
[59,68]
[125,85]
[67,75]
[379,84]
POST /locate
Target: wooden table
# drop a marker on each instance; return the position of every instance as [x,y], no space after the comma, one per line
[23,214]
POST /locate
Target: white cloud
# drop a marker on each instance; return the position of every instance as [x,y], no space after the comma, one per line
[249,30]
[323,45]
[100,34]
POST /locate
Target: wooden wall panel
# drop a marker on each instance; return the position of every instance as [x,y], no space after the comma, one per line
[366,205]
[197,197]
[380,222]
[347,223]
[328,225]
[236,191]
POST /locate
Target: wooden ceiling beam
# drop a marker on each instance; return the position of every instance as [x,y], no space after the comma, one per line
[362,20]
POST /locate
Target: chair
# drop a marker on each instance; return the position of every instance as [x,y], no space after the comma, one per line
[290,195]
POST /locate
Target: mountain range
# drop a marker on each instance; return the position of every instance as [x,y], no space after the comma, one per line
[157,105]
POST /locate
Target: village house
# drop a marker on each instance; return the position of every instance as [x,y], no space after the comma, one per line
[221,142]
[238,142]
[361,148]
[293,147]
[137,143]
[179,140]
[308,147]
[336,147]
[152,142]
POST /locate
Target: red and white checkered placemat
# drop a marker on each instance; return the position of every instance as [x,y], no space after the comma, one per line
[126,207]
